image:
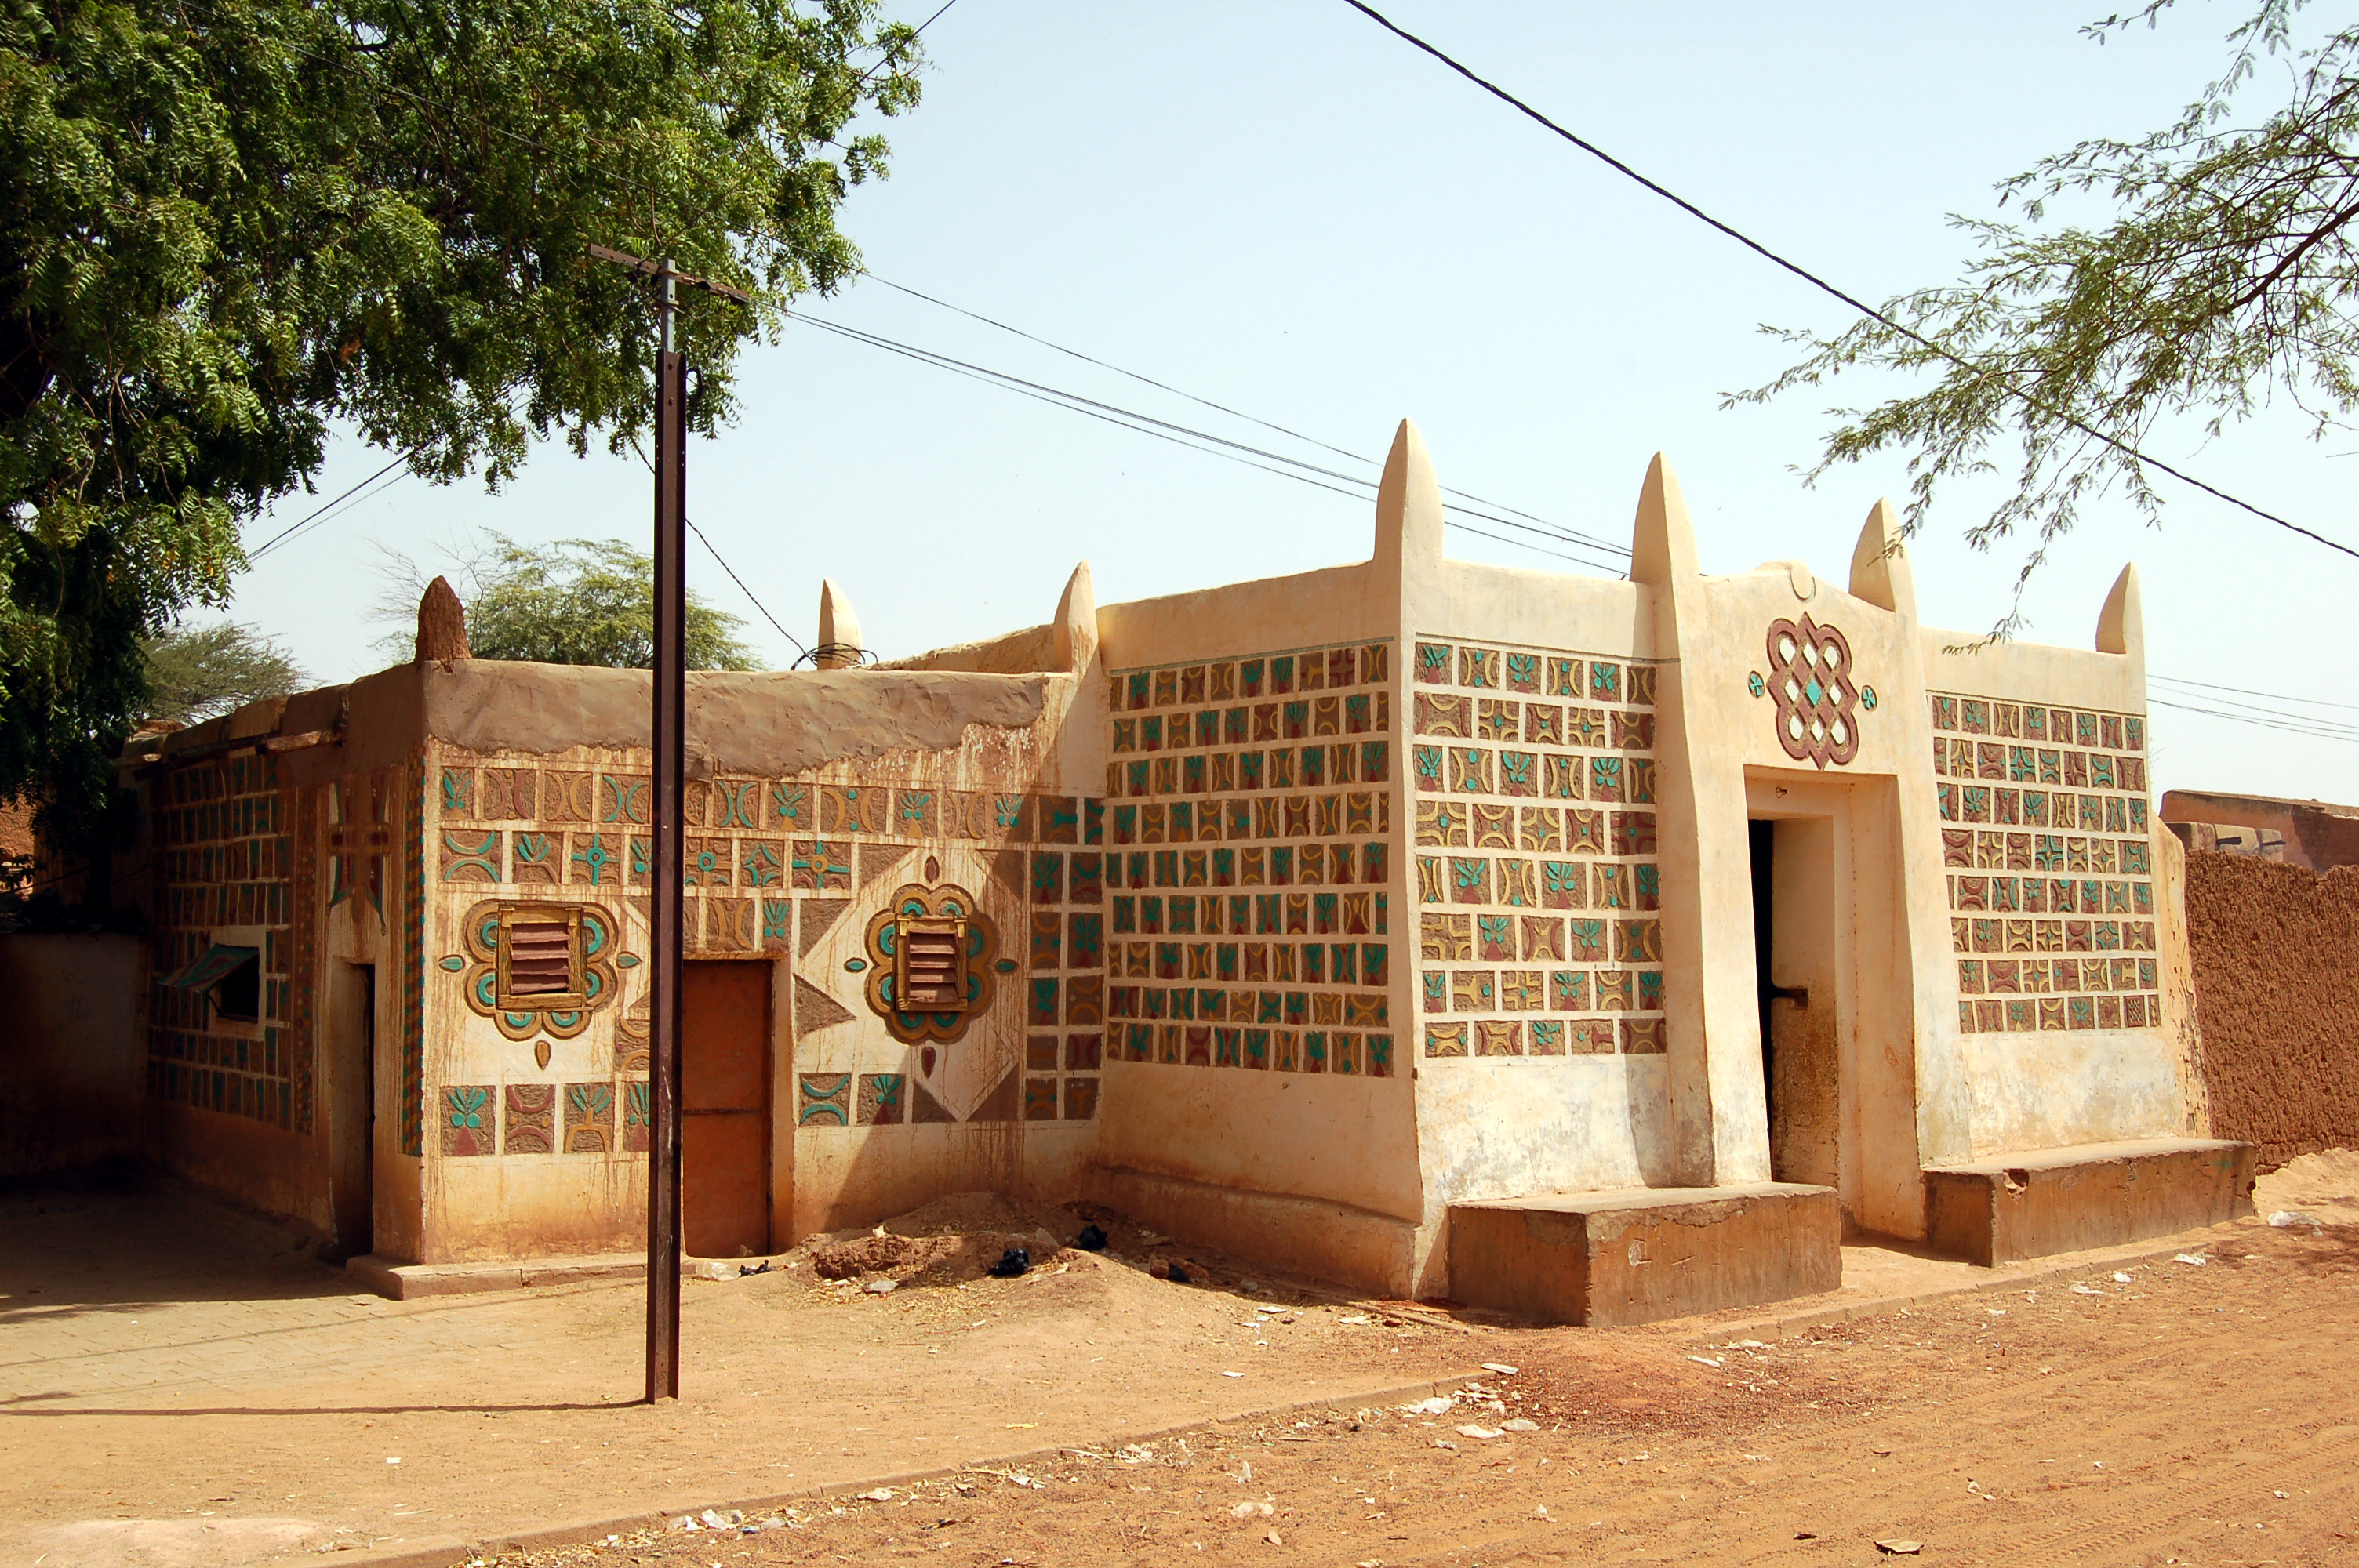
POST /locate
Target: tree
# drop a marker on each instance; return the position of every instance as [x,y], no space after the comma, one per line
[2227,275]
[196,673]
[227,224]
[585,602]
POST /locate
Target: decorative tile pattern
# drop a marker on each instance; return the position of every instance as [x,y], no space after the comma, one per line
[1537,885]
[528,1123]
[224,832]
[2047,848]
[1247,875]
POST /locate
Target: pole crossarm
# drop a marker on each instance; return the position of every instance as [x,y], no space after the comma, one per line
[658,268]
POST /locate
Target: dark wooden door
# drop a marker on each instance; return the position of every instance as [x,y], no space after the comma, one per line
[725,1048]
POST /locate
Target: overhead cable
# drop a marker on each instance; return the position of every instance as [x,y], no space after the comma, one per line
[1815,281]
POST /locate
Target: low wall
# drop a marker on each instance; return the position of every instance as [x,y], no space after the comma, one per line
[71,1051]
[2276,954]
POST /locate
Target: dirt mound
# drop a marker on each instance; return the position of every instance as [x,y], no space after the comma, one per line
[874,1255]
[2324,1184]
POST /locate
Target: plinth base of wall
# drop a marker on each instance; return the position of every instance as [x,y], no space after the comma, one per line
[1309,1238]
[1643,1254]
[2042,1202]
[407,1281]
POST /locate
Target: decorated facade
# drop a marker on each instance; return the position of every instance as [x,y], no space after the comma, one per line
[1319,917]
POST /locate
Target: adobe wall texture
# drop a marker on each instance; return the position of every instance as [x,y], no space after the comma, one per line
[2277,994]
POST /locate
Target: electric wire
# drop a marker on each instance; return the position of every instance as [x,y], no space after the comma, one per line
[801,652]
[2235,718]
[1221,407]
[1237,451]
[2246,692]
[1815,281]
[320,513]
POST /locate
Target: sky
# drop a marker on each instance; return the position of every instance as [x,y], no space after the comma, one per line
[1278,207]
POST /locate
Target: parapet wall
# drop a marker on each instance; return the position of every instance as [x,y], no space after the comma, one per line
[2276,952]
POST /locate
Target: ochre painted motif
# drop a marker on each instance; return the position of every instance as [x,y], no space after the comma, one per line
[1249,871]
[1539,887]
[2047,845]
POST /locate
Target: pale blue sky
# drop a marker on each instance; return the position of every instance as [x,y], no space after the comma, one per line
[1281,208]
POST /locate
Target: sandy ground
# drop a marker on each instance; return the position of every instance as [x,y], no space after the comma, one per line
[2073,1416]
[2167,1413]
[161,1361]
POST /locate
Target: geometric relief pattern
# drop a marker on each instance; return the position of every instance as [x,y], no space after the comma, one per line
[1248,878]
[1809,677]
[1540,892]
[226,852]
[2048,851]
[479,983]
[758,846]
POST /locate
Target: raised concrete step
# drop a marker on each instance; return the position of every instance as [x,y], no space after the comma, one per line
[2040,1202]
[1643,1254]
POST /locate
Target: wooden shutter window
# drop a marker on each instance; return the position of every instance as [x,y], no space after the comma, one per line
[540,958]
[932,966]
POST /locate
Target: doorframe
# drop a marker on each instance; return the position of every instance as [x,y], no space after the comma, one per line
[1876,992]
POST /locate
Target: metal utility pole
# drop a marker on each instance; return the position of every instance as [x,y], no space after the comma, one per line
[668,870]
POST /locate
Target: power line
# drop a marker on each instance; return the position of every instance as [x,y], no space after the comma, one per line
[320,513]
[1221,446]
[1815,281]
[2246,692]
[2320,734]
[801,652]
[1219,407]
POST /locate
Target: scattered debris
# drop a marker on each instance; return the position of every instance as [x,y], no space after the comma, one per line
[1481,1434]
[2190,1258]
[1499,1366]
[745,1269]
[1176,1274]
[1247,1511]
[1093,1239]
[1519,1423]
[1541,1512]
[1707,1360]
[881,1495]
[2120,1277]
[2285,1218]
[1898,1548]
[1015,1262]
[1273,1540]
[1438,1405]
[882,1287]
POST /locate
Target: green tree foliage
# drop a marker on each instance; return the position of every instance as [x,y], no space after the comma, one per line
[226,224]
[2225,273]
[196,673]
[587,602]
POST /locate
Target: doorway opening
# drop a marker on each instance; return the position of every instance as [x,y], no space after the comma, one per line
[724,1070]
[352,1114]
[1796,927]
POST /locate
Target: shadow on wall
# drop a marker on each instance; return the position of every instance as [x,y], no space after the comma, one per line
[2276,954]
[70,1055]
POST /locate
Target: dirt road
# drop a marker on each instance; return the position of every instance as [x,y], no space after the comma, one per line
[2189,1413]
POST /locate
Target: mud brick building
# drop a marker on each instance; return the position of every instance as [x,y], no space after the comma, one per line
[1595,948]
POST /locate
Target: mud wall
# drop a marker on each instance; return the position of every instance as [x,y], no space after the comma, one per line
[69,1051]
[2276,951]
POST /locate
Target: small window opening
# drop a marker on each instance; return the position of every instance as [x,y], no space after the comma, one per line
[932,957]
[230,977]
[238,997]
